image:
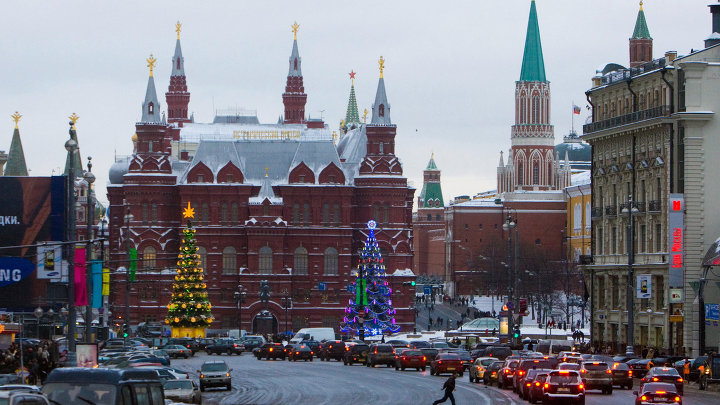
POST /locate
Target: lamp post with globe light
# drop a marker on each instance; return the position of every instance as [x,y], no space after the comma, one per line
[72,148]
[630,210]
[38,314]
[240,295]
[90,207]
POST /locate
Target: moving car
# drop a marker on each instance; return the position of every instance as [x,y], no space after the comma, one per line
[528,364]
[477,370]
[76,385]
[446,363]
[271,351]
[215,373]
[185,391]
[190,343]
[177,351]
[492,372]
[299,352]
[251,342]
[622,375]
[563,385]
[430,352]
[22,398]
[466,358]
[225,345]
[505,377]
[528,380]
[657,393]
[537,387]
[355,353]
[398,343]
[665,375]
[411,358]
[597,375]
[332,349]
[640,367]
[381,353]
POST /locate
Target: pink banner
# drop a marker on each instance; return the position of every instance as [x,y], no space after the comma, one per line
[80,282]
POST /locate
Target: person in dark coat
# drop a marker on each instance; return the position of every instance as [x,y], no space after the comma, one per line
[448,387]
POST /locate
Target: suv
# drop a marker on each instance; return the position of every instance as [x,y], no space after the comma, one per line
[381,353]
[252,342]
[528,364]
[564,385]
[190,343]
[356,353]
[224,345]
[597,375]
[215,373]
[332,349]
[271,351]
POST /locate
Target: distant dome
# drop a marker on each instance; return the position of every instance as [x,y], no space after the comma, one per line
[481,324]
[579,152]
[119,169]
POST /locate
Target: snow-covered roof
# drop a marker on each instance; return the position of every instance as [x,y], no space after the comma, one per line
[578,179]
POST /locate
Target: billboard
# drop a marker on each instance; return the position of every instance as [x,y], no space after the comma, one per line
[32,211]
[676,240]
[644,286]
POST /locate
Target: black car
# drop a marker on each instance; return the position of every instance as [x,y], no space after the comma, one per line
[190,343]
[664,375]
[225,345]
[420,344]
[491,374]
[622,375]
[271,351]
[300,352]
[657,393]
[356,353]
[252,342]
[314,345]
[430,352]
[466,358]
[332,349]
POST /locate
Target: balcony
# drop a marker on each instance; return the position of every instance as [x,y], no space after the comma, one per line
[596,212]
[611,211]
[639,206]
[655,206]
[655,112]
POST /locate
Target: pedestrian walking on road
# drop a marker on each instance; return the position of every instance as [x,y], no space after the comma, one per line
[448,387]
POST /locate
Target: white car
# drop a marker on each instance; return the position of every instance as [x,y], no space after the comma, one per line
[22,397]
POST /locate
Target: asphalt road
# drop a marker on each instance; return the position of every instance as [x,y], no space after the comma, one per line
[282,382]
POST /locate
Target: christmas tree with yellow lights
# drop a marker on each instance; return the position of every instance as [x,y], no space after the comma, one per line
[189,308]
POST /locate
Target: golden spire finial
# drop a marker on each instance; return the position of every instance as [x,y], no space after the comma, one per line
[73,118]
[365,116]
[151,63]
[295,27]
[189,212]
[641,3]
[267,169]
[177,29]
[16,117]
[432,155]
[381,62]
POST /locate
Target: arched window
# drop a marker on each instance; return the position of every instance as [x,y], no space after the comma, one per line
[520,176]
[331,261]
[307,216]
[326,214]
[577,218]
[536,173]
[381,110]
[229,258]
[337,216]
[151,108]
[296,214]
[300,261]
[148,258]
[523,109]
[203,258]
[234,213]
[265,260]
[224,212]
[381,148]
[587,215]
[154,213]
[535,109]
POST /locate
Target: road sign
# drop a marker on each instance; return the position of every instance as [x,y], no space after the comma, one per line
[510,305]
[322,286]
[676,295]
[676,318]
[712,312]
[427,289]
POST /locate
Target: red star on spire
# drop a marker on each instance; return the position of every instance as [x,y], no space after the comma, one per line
[352,75]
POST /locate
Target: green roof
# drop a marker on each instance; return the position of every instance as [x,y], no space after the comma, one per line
[430,192]
[352,116]
[533,65]
[431,164]
[16,157]
[641,28]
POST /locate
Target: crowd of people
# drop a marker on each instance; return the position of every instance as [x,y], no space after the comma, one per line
[38,359]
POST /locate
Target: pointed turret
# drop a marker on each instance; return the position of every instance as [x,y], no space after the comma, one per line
[177,96]
[73,158]
[381,107]
[501,163]
[352,117]
[431,194]
[16,156]
[533,65]
[151,105]
[294,98]
[641,42]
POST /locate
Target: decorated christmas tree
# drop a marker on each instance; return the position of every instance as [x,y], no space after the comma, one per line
[370,311]
[189,308]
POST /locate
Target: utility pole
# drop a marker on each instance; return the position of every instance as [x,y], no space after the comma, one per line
[630,209]
[71,146]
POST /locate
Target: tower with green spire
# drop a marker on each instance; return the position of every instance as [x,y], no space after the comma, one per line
[641,42]
[352,118]
[16,157]
[531,162]
[431,194]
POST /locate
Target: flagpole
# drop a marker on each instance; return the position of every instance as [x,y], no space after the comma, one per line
[573,117]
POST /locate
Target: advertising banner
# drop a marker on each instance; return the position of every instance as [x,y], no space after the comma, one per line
[106,282]
[676,240]
[97,276]
[87,355]
[81,298]
[644,286]
[49,262]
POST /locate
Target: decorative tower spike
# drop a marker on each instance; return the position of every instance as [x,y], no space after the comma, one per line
[381,107]
[533,65]
[641,43]
[431,194]
[189,308]
[351,116]
[74,160]
[151,105]
[177,97]
[16,165]
[294,98]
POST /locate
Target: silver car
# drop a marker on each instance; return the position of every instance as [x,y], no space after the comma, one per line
[215,373]
[185,391]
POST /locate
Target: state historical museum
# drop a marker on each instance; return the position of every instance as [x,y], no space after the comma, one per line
[283,202]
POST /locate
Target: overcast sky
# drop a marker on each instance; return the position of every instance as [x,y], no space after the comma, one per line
[450,68]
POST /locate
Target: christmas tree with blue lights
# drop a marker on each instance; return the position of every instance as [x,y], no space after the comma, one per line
[370,311]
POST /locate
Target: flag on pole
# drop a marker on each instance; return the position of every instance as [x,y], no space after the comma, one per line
[81,298]
[576,110]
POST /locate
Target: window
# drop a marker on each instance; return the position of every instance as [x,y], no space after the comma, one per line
[178,63]
[301,178]
[535,109]
[601,292]
[300,261]
[437,218]
[234,213]
[376,209]
[265,260]
[229,178]
[145,213]
[203,258]
[613,241]
[642,238]
[205,214]
[229,258]
[520,174]
[614,292]
[386,214]
[200,178]
[266,210]
[600,249]
[307,215]
[296,214]
[381,110]
[588,215]
[148,258]
[154,213]
[523,111]
[658,238]
[536,173]
[295,64]
[331,261]
[577,217]
[659,294]
[326,214]
[331,179]
[150,146]
[381,148]
[429,217]
[224,212]
[151,108]
[337,216]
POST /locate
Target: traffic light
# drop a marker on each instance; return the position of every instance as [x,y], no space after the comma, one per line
[412,283]
[517,333]
[126,329]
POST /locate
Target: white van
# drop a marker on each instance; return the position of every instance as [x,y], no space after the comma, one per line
[318,334]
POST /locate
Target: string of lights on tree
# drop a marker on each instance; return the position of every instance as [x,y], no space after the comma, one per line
[189,306]
[371,309]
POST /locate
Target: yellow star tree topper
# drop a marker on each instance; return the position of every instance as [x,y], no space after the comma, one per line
[189,211]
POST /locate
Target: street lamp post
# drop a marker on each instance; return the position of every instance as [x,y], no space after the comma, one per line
[89,179]
[128,218]
[287,304]
[38,314]
[509,225]
[105,316]
[72,147]
[630,210]
[240,295]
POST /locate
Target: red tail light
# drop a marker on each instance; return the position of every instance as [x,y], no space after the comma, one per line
[680,380]
[643,398]
[404,358]
[608,371]
[677,399]
[528,384]
[655,379]
[537,384]
[661,392]
[424,358]
[581,387]
[439,361]
[507,371]
[520,372]
[312,352]
[271,349]
[347,348]
[584,371]
[547,385]
[630,373]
